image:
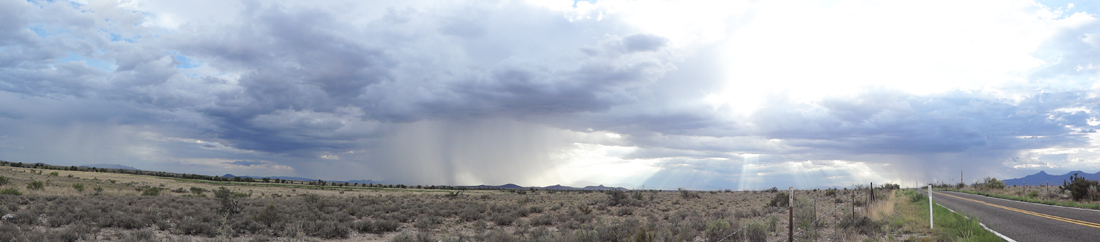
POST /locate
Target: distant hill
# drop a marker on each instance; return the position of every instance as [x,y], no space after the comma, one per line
[110,166]
[369,182]
[601,187]
[293,178]
[1054,180]
[554,187]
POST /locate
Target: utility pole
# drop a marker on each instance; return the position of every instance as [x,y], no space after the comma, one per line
[961,178]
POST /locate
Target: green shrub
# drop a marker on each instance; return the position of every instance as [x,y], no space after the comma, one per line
[757,232]
[780,200]
[625,211]
[375,226]
[503,219]
[805,214]
[410,237]
[543,220]
[993,183]
[643,235]
[616,197]
[1078,186]
[197,191]
[427,223]
[862,225]
[140,235]
[717,229]
[193,226]
[53,174]
[10,191]
[584,209]
[152,191]
[4,180]
[1033,194]
[222,193]
[36,185]
[773,224]
[328,229]
[685,194]
[892,186]
[469,214]
[229,205]
[534,209]
[268,216]
[79,187]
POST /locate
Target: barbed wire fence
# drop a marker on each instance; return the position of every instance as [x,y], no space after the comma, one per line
[817,218]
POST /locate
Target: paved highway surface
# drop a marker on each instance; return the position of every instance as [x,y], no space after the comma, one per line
[1023,221]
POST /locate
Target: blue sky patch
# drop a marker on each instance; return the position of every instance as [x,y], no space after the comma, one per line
[94,63]
[186,62]
[44,33]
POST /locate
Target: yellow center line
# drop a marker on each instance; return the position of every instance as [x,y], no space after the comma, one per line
[1068,220]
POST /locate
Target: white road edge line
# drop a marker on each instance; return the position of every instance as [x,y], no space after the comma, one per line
[1043,204]
[1006,238]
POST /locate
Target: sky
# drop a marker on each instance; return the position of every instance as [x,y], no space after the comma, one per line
[703,95]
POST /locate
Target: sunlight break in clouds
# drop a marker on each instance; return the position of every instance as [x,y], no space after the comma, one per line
[656,94]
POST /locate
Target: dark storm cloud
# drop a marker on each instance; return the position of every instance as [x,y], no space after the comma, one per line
[296,59]
[515,89]
[643,42]
[247,163]
[898,123]
[303,60]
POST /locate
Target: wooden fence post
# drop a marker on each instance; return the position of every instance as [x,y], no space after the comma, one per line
[790,219]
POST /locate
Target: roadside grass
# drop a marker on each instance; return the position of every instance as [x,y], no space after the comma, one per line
[883,208]
[1031,200]
[949,226]
[909,216]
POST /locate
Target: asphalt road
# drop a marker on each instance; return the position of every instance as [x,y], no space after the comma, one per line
[1023,221]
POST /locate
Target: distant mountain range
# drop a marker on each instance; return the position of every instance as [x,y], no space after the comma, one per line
[1043,178]
[110,166]
[505,186]
[294,178]
[554,187]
